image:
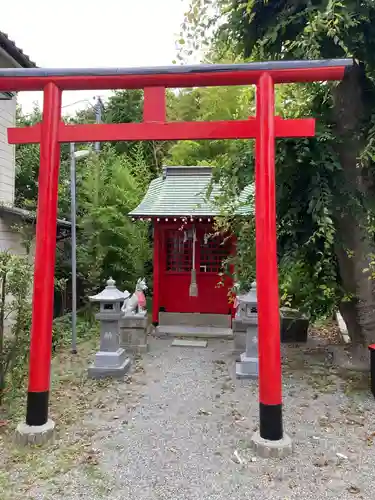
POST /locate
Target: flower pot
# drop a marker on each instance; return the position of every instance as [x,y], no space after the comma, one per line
[293,326]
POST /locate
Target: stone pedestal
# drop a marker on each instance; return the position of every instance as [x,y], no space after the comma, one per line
[133,333]
[246,320]
[239,336]
[111,360]
[109,364]
[248,366]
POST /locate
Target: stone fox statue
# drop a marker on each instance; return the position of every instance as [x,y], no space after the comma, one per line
[136,304]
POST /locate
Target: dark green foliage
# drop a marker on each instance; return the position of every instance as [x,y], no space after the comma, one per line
[110,244]
[15,316]
[108,187]
[325,185]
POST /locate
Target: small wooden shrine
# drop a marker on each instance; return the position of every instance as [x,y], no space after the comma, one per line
[188,255]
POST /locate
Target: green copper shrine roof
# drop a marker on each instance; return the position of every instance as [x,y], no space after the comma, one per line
[181,192]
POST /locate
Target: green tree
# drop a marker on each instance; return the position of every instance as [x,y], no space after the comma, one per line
[15,316]
[207,104]
[126,106]
[122,106]
[27,164]
[27,168]
[325,184]
[108,187]
[109,242]
[232,162]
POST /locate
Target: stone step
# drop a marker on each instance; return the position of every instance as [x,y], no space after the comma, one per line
[204,332]
[195,319]
[189,343]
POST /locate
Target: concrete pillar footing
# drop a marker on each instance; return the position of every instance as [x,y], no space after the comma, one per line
[272,449]
[36,435]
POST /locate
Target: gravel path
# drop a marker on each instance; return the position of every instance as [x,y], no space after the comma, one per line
[170,432]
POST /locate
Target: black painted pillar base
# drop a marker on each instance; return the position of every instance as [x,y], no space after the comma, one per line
[37,408]
[271,422]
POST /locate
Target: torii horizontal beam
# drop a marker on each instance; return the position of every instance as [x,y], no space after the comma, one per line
[169,131]
[176,76]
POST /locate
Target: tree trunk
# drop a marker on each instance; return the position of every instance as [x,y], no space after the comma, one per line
[354,244]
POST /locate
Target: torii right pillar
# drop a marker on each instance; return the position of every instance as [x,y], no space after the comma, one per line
[270,440]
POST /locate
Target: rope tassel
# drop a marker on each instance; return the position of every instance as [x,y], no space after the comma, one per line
[193,289]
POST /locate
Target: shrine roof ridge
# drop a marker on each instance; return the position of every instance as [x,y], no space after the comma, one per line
[200,170]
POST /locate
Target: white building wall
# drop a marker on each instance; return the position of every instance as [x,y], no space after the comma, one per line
[10,238]
[7,152]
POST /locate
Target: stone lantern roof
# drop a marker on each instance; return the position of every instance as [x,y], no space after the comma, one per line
[246,304]
[250,297]
[110,294]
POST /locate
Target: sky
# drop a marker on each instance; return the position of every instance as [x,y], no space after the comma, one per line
[92,33]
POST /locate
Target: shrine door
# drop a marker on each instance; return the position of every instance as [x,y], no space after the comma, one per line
[210,251]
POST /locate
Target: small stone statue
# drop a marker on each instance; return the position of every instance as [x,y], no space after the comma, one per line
[136,304]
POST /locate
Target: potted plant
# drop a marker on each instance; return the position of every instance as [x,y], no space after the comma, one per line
[293,325]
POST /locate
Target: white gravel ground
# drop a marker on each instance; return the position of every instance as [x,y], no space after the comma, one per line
[171,432]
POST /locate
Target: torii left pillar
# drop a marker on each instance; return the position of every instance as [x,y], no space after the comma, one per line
[38,428]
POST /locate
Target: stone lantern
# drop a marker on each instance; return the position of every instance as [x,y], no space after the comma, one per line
[111,360]
[247,314]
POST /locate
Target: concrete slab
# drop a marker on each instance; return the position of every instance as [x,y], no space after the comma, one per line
[207,332]
[189,343]
[195,319]
[115,371]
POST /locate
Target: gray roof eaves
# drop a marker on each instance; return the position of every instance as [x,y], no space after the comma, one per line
[15,52]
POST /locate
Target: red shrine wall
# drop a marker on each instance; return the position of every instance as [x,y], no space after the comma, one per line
[173,261]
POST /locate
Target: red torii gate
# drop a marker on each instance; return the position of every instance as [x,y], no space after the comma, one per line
[264,127]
